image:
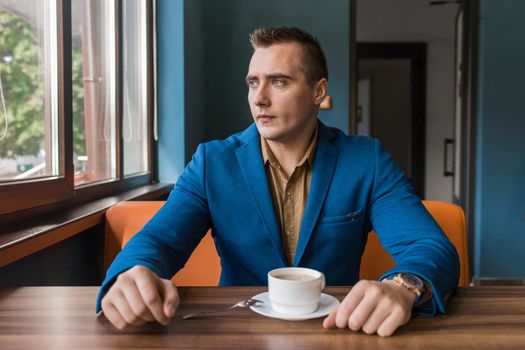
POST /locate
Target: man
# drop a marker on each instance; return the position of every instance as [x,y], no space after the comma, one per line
[289,191]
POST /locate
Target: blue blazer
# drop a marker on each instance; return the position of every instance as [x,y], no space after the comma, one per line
[355,187]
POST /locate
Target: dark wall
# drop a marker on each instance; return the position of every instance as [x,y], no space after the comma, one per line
[171,90]
[500,191]
[203,91]
[76,261]
[227,53]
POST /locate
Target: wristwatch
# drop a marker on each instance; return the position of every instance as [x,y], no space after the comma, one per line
[411,282]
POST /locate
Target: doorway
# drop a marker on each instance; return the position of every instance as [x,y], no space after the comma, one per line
[391,103]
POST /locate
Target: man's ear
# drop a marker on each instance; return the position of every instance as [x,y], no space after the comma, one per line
[320,91]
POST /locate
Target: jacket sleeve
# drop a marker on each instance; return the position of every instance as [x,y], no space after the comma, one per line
[166,242]
[409,233]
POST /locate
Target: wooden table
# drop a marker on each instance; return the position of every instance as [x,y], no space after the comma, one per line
[64,318]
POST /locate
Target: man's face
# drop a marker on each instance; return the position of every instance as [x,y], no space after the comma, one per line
[282,103]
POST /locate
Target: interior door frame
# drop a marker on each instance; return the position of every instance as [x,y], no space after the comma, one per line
[416,52]
[468,149]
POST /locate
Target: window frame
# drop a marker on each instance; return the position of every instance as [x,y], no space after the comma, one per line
[21,198]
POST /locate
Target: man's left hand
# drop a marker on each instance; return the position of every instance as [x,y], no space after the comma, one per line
[374,307]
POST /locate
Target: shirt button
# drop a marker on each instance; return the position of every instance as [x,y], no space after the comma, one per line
[288,232]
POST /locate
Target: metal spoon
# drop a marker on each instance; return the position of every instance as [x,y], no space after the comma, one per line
[240,304]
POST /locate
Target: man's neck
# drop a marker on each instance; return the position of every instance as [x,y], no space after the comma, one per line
[289,153]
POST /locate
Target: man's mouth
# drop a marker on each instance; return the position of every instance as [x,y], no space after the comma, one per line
[265,117]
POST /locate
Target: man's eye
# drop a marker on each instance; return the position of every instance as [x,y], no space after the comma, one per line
[278,82]
[252,83]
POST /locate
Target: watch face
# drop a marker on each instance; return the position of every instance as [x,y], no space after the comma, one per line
[412,280]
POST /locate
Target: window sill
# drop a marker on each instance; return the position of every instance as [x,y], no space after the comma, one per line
[21,240]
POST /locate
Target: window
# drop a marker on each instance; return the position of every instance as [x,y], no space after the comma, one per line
[75,99]
[28,90]
[93,92]
[135,89]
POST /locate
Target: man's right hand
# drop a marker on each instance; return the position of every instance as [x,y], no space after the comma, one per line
[138,296]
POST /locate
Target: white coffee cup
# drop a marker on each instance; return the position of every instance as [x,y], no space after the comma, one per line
[295,290]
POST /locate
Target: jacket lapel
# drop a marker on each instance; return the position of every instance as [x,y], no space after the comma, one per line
[324,166]
[250,161]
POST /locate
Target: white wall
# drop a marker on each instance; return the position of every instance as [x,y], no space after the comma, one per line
[417,21]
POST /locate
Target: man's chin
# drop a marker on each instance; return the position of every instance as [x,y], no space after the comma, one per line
[267,132]
[269,136]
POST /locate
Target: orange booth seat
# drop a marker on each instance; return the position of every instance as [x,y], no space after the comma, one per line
[376,260]
[203,267]
[125,219]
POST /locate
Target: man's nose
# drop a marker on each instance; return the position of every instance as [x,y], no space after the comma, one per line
[261,98]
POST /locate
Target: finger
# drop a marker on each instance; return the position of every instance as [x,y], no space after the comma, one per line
[171,298]
[391,323]
[366,307]
[113,315]
[349,303]
[138,306]
[378,316]
[149,290]
[121,304]
[329,321]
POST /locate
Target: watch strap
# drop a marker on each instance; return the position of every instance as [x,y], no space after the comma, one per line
[413,288]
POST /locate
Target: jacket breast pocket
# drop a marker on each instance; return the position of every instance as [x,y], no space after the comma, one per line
[341,219]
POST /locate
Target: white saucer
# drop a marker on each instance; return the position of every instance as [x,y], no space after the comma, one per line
[326,305]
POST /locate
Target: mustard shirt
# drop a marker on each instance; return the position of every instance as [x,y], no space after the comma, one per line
[289,194]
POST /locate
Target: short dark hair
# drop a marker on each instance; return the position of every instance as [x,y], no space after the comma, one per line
[313,60]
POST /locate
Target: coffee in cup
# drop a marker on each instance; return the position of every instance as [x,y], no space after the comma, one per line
[295,290]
